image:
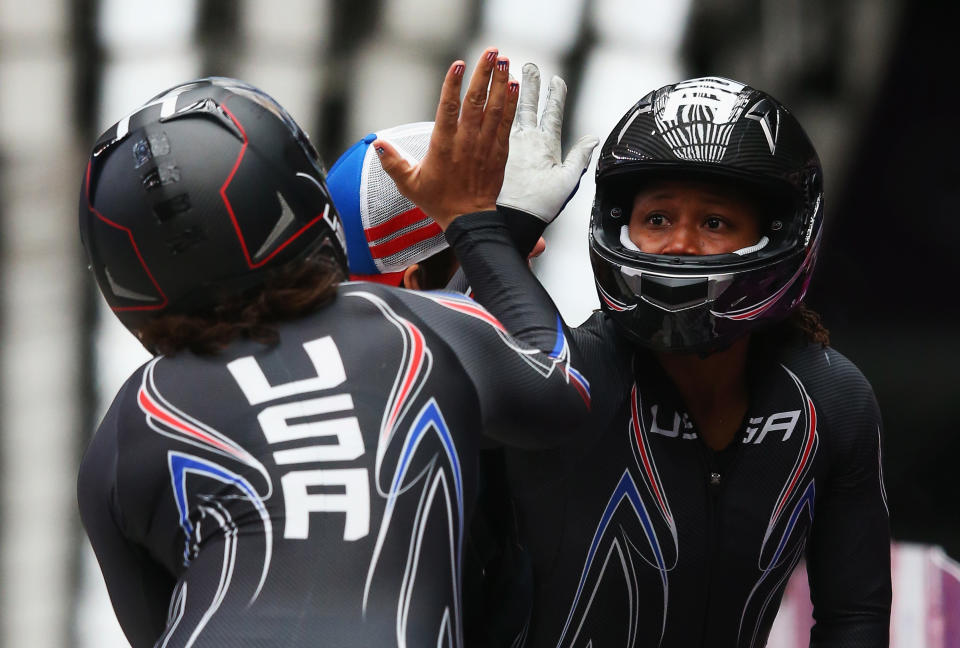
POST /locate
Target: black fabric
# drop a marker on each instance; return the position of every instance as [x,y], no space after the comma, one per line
[498,583]
[524,230]
[498,577]
[634,541]
[485,246]
[256,497]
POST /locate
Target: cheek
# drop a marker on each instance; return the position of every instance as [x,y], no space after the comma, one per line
[731,241]
[639,234]
[750,234]
[641,237]
[750,228]
[747,238]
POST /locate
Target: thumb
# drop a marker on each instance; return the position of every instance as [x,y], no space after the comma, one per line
[579,155]
[397,166]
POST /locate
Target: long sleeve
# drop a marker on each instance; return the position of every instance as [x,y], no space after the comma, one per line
[139,587]
[849,552]
[524,229]
[501,279]
[522,365]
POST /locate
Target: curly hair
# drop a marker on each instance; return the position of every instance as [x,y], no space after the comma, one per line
[288,293]
[803,326]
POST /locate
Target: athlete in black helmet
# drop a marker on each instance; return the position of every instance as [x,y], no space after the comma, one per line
[297,465]
[740,141]
[198,195]
[727,439]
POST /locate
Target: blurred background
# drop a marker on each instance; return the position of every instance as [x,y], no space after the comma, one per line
[868,78]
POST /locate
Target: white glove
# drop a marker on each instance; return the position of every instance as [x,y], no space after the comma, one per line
[535,180]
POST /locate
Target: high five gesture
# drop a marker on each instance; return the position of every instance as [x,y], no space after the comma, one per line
[463,169]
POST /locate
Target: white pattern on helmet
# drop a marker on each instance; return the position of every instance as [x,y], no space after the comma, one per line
[697,117]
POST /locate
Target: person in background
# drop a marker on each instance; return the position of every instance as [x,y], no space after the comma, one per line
[389,239]
[296,466]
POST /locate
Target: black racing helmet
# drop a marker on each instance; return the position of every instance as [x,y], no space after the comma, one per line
[196,195]
[721,130]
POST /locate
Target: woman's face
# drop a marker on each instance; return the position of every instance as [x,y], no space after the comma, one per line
[692,217]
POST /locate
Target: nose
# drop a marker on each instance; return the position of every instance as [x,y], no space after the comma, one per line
[681,240]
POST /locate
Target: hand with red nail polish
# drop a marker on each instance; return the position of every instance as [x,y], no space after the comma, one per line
[462,171]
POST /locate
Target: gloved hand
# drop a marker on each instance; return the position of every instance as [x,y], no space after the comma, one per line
[536,181]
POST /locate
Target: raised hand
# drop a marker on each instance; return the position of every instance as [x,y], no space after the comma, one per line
[538,180]
[463,169]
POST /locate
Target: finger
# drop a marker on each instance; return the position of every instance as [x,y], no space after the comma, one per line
[509,113]
[538,249]
[400,170]
[471,113]
[448,110]
[579,156]
[552,120]
[493,112]
[529,96]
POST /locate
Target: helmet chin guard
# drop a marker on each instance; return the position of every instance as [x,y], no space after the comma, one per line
[729,133]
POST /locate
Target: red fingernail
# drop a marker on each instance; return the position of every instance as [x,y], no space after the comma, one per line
[503,64]
[491,56]
[513,87]
[458,69]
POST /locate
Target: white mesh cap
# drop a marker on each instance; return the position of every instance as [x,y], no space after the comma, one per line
[398,233]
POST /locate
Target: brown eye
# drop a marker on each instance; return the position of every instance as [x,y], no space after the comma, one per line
[714,223]
[655,219]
